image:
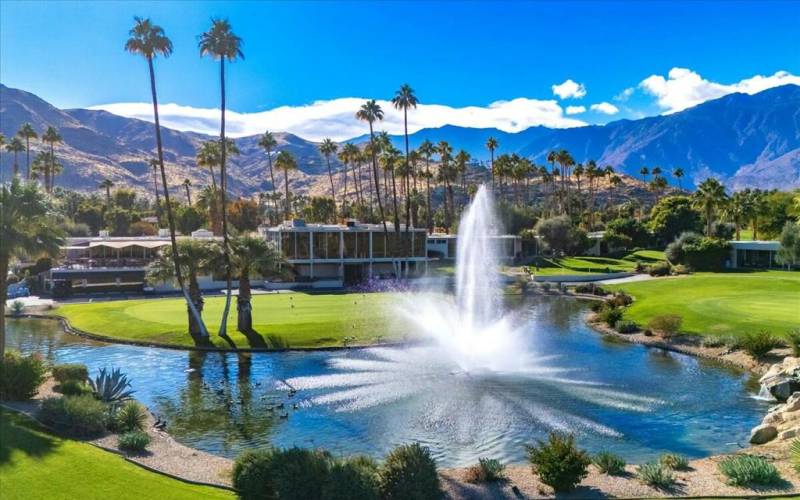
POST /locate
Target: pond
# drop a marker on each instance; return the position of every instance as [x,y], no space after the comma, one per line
[629,399]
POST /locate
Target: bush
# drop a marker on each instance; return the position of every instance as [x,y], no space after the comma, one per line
[681,269]
[713,341]
[251,474]
[485,471]
[758,344]
[299,474]
[70,371]
[111,387]
[659,269]
[655,475]
[665,324]
[558,462]
[73,388]
[698,252]
[743,470]
[79,415]
[131,416]
[356,478]
[625,326]
[610,315]
[793,339]
[560,236]
[20,376]
[609,463]
[133,441]
[673,461]
[590,289]
[621,299]
[409,472]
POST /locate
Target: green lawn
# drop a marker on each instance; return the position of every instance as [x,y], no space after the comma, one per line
[36,464]
[721,303]
[576,266]
[299,319]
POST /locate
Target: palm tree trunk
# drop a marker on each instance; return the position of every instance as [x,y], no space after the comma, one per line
[408,198]
[428,213]
[244,309]
[286,187]
[52,174]
[202,336]
[226,249]
[333,192]
[188,195]
[195,322]
[375,178]
[394,203]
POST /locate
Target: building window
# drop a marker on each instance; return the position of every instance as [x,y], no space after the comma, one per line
[320,245]
[333,246]
[349,245]
[362,245]
[287,245]
[303,245]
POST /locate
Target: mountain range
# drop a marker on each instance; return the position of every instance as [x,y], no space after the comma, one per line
[744,140]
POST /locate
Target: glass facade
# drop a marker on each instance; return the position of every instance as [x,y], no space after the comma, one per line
[327,245]
[755,258]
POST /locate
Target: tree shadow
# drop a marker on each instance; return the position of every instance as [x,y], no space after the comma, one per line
[19,433]
[229,341]
[255,339]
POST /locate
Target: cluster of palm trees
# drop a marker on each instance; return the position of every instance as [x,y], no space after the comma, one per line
[741,208]
[45,166]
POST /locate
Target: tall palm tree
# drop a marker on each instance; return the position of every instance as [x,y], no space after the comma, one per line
[710,195]
[2,143]
[107,184]
[371,112]
[445,175]
[644,172]
[328,148]
[491,145]
[51,137]
[186,185]
[27,231]
[427,150]
[405,99]
[221,43]
[149,41]
[566,162]
[154,165]
[738,210]
[678,174]
[268,143]
[252,257]
[27,132]
[15,146]
[390,158]
[286,162]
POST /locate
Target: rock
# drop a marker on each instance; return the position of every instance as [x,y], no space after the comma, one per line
[792,404]
[782,387]
[773,372]
[773,418]
[763,434]
[788,434]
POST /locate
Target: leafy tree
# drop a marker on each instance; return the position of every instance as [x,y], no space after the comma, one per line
[91,215]
[125,198]
[189,219]
[244,214]
[789,252]
[633,229]
[560,236]
[673,215]
[776,211]
[142,228]
[700,253]
[118,221]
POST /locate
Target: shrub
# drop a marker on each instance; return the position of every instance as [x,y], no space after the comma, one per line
[698,252]
[78,415]
[353,479]
[17,307]
[681,269]
[131,416]
[621,299]
[758,344]
[409,472]
[560,236]
[111,387]
[673,461]
[625,326]
[665,324]
[590,289]
[610,315]
[659,269]
[20,376]
[742,470]
[299,474]
[609,463]
[485,471]
[713,341]
[793,339]
[70,371]
[133,441]
[655,475]
[73,388]
[251,474]
[558,462]
[596,307]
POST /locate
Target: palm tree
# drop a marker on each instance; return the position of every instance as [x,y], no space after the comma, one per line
[578,171]
[27,231]
[2,143]
[678,174]
[390,157]
[15,147]
[644,171]
[565,161]
[154,166]
[738,209]
[758,203]
[252,257]
[268,143]
[107,184]
[462,158]
[491,145]
[148,40]
[444,149]
[405,99]
[328,148]
[27,132]
[371,112]
[51,137]
[286,162]
[709,196]
[427,150]
[186,185]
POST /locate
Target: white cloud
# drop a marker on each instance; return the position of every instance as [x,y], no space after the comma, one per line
[605,107]
[569,89]
[336,118]
[574,110]
[684,88]
[625,94]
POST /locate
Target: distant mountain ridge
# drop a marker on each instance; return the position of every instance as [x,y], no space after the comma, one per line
[745,140]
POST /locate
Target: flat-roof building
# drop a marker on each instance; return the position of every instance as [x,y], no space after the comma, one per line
[444,246]
[755,254]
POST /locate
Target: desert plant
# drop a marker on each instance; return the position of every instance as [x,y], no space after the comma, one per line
[355,478]
[558,462]
[794,452]
[485,471]
[759,344]
[666,325]
[793,339]
[78,415]
[673,461]
[610,315]
[20,376]
[17,307]
[70,371]
[409,472]
[655,475]
[621,299]
[111,387]
[251,474]
[133,441]
[131,416]
[743,470]
[609,463]
[73,388]
[625,326]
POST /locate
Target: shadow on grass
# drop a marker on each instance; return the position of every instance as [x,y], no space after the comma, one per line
[18,433]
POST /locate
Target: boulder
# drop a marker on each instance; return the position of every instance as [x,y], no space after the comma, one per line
[788,434]
[763,434]
[792,404]
[782,387]
[774,417]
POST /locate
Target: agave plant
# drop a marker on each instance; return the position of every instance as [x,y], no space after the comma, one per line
[111,387]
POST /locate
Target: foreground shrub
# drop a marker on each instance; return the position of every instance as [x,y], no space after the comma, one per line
[356,478]
[20,376]
[793,340]
[610,315]
[794,452]
[131,416]
[625,326]
[666,325]
[485,471]
[655,475]
[78,415]
[673,461]
[70,371]
[251,474]
[299,474]
[759,344]
[133,441]
[73,388]
[409,473]
[609,463]
[558,462]
[659,269]
[743,470]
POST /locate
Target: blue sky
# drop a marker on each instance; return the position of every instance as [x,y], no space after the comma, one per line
[454,54]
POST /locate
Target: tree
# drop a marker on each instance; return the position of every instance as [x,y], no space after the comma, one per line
[405,99]
[26,231]
[15,146]
[107,184]
[268,143]
[678,174]
[371,112]
[27,132]
[244,214]
[148,40]
[286,162]
[445,176]
[427,150]
[154,166]
[252,257]
[186,185]
[189,219]
[328,148]
[561,237]
[710,195]
[644,171]
[491,145]
[51,137]
[673,215]
[389,160]
[789,251]
[738,209]
[2,143]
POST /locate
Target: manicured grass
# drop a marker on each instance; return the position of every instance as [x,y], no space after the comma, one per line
[576,266]
[299,319]
[37,464]
[721,303]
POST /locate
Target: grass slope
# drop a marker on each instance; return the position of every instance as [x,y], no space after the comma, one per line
[36,464]
[721,303]
[575,266]
[301,320]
